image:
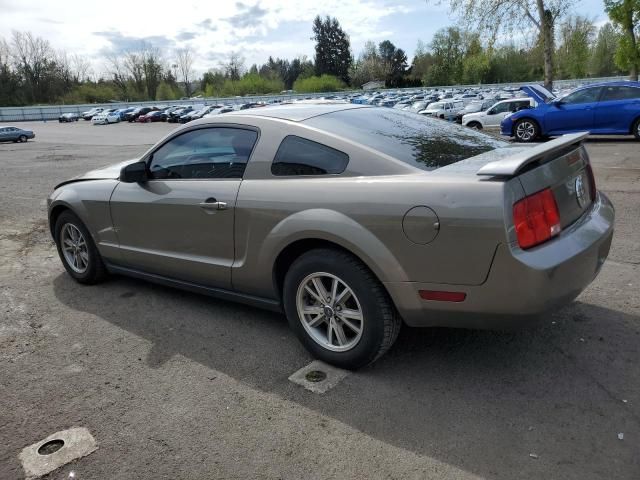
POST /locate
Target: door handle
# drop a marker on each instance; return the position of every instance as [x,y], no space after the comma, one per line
[213,204]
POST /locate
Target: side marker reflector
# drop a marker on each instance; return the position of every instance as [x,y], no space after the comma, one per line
[441,296]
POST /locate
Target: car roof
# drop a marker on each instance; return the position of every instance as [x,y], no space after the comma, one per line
[617,83]
[297,112]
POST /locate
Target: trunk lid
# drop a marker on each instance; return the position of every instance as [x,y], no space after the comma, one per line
[569,177]
[561,165]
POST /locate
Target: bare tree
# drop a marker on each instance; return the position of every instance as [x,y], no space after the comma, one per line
[493,16]
[31,56]
[81,68]
[4,53]
[234,66]
[184,60]
[117,70]
[134,65]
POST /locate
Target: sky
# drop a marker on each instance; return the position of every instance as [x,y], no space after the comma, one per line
[214,28]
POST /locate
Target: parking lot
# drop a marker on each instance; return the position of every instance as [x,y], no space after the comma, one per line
[181,386]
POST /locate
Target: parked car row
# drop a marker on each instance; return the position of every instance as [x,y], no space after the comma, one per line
[527,113]
[148,114]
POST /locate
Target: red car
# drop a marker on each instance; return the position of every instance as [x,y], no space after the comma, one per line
[155,116]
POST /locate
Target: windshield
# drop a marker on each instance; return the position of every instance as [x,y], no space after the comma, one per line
[422,142]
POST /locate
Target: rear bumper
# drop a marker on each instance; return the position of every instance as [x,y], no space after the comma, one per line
[521,285]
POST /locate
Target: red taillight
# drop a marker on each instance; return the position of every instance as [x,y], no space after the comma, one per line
[536,218]
[592,182]
[442,296]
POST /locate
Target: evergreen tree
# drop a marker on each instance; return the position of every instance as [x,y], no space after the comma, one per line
[333,50]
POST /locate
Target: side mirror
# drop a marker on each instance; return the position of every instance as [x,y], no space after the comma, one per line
[134,173]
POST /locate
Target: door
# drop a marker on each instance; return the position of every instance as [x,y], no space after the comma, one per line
[572,113]
[496,113]
[180,223]
[617,109]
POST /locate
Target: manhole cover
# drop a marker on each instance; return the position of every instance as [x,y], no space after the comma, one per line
[51,447]
[315,376]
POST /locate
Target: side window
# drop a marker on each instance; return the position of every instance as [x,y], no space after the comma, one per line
[620,93]
[299,156]
[204,153]
[516,106]
[502,107]
[587,95]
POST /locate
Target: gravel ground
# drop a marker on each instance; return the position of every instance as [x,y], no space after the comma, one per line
[173,385]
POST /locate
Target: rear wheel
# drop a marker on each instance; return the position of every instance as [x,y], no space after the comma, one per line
[526,130]
[636,129]
[338,309]
[77,251]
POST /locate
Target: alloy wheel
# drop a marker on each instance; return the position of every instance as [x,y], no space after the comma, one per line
[329,311]
[74,248]
[525,131]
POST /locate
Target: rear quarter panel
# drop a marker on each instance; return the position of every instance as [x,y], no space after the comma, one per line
[364,215]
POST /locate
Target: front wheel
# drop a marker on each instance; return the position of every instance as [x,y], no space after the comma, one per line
[338,309]
[77,250]
[22,138]
[636,129]
[526,130]
[475,125]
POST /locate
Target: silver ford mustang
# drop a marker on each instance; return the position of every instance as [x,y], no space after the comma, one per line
[350,219]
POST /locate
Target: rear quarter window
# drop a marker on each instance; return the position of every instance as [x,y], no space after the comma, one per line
[299,156]
[423,142]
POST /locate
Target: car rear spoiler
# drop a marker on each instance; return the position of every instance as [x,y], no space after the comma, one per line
[510,166]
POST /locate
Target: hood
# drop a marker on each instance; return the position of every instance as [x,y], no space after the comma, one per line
[538,93]
[474,115]
[108,172]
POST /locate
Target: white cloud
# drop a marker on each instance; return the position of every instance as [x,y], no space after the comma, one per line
[256,29]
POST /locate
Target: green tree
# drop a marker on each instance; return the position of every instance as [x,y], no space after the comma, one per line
[421,63]
[626,15]
[602,62]
[333,49]
[447,49]
[475,64]
[394,63]
[576,37]
[492,16]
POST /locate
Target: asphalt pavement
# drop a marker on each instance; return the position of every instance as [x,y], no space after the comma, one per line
[173,385]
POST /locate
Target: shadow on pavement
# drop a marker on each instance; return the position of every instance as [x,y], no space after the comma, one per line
[482,401]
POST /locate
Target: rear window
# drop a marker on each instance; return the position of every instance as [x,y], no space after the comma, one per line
[423,142]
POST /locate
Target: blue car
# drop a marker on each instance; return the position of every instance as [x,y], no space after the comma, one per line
[611,108]
[121,112]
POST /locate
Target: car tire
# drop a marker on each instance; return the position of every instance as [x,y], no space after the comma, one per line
[636,129]
[22,138]
[475,125]
[344,341]
[83,262]
[526,130]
